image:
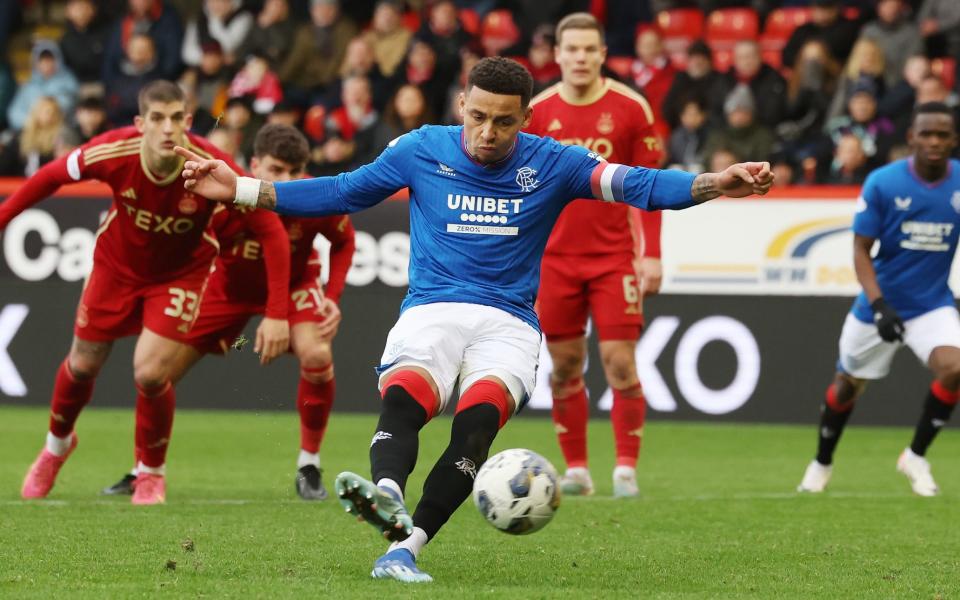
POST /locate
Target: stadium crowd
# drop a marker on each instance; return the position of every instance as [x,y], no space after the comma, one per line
[821,88]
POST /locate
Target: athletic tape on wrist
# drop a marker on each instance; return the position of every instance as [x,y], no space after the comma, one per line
[248,190]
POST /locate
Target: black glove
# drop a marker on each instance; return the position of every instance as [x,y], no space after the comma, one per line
[888,322]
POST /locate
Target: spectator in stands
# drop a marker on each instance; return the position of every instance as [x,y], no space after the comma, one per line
[226,141]
[49,77]
[387,36]
[419,69]
[273,34]
[317,53]
[896,34]
[698,80]
[140,67]
[243,123]
[652,71]
[762,79]
[827,24]
[451,114]
[156,19]
[685,148]
[898,102]
[812,82]
[284,113]
[259,83]
[207,84]
[940,26]
[34,145]
[849,165]
[742,135]
[722,158]
[354,123]
[876,134]
[539,59]
[360,61]
[406,111]
[866,62]
[443,31]
[223,21]
[932,89]
[90,116]
[84,41]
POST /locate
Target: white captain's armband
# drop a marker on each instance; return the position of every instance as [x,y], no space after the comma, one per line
[73,164]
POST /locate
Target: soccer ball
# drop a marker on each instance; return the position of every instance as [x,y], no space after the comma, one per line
[516,491]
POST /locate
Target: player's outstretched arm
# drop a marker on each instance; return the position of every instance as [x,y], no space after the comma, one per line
[736,181]
[889,324]
[42,184]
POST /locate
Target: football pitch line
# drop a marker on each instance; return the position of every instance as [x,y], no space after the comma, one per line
[692,498]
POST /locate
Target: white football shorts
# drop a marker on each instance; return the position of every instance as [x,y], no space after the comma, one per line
[864,354]
[461,343]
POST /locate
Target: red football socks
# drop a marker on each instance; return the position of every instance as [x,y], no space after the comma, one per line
[570,412]
[69,397]
[154,425]
[628,415]
[314,401]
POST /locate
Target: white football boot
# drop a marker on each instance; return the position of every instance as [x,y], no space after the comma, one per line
[576,482]
[917,470]
[625,482]
[815,478]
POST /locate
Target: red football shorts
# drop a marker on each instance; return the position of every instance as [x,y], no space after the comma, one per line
[113,307]
[604,286]
[222,319]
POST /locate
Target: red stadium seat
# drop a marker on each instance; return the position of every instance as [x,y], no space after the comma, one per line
[470,21]
[727,26]
[411,21]
[621,66]
[946,69]
[777,31]
[680,27]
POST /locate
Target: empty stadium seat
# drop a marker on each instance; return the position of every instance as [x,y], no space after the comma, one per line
[411,21]
[680,27]
[727,26]
[946,69]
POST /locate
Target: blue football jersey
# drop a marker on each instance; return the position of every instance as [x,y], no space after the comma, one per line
[916,223]
[477,232]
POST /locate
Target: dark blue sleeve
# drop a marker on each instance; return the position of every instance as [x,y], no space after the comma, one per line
[868,220]
[354,191]
[648,189]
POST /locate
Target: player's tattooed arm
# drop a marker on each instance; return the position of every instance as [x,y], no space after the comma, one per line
[267,198]
[705,187]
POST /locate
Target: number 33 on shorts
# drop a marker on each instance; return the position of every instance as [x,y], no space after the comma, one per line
[183,304]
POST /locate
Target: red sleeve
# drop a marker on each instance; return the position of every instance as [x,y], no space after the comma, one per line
[342,244]
[269,230]
[44,182]
[650,224]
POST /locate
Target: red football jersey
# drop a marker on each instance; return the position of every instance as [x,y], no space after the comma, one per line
[241,270]
[617,124]
[155,230]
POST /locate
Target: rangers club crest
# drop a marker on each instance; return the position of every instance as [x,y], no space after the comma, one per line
[605,123]
[527,179]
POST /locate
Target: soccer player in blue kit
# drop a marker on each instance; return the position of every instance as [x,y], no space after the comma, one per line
[483,199]
[912,207]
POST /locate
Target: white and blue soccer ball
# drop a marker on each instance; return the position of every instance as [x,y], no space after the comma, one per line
[516,491]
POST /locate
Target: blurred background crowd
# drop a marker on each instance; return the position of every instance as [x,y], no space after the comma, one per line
[821,88]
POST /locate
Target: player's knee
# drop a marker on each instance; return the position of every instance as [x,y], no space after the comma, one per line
[316,359]
[150,377]
[950,376]
[566,366]
[83,368]
[845,390]
[320,373]
[620,369]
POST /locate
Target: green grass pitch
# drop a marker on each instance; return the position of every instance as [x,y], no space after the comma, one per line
[718,518]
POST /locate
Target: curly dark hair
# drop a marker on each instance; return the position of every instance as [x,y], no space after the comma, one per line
[282,142]
[499,75]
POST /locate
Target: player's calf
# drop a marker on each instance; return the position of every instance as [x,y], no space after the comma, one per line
[478,419]
[408,403]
